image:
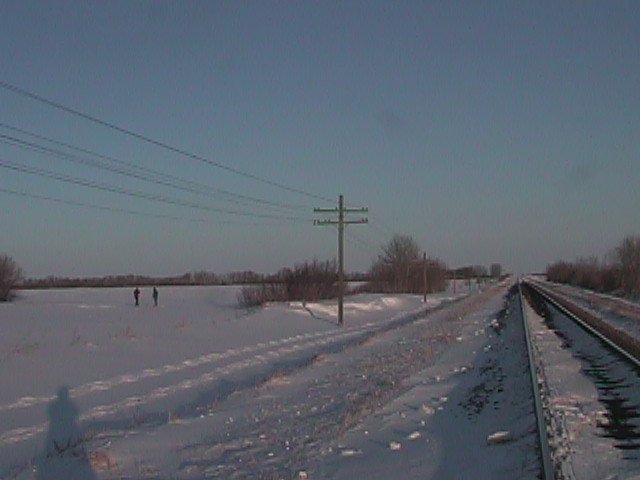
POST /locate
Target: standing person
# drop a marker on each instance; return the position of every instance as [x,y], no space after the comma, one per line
[136,295]
[155,296]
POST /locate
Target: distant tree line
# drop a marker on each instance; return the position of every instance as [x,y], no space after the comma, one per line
[129,280]
[190,278]
[399,268]
[476,271]
[618,272]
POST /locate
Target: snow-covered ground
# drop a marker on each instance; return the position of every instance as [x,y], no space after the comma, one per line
[198,387]
[472,387]
[119,361]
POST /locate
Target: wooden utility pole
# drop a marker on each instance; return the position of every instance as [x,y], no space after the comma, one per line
[341,222]
[454,281]
[424,276]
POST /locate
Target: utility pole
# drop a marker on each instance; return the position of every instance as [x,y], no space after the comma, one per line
[454,281]
[424,276]
[341,222]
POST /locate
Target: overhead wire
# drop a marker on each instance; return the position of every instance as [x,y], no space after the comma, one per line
[363,244]
[133,169]
[134,193]
[25,93]
[381,226]
[157,177]
[94,206]
[20,91]
[117,170]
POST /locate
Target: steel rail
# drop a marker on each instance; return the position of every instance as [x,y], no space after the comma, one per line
[545,451]
[620,350]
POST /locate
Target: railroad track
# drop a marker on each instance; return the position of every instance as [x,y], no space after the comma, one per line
[621,342]
[610,357]
[543,440]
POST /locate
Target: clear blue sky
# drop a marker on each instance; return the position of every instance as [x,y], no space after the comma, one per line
[490,131]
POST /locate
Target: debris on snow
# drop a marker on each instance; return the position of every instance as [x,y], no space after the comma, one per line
[427,409]
[101,461]
[501,436]
[602,418]
[349,452]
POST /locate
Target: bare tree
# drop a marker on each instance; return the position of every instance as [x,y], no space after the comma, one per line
[628,253]
[394,266]
[400,269]
[436,275]
[10,274]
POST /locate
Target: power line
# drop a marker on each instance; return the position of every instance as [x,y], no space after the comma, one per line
[193,186]
[71,158]
[138,136]
[378,221]
[131,212]
[133,193]
[360,244]
[120,171]
[370,247]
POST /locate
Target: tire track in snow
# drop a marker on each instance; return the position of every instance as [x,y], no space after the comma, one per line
[24,433]
[127,378]
[21,434]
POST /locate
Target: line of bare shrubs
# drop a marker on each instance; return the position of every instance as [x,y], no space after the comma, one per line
[308,281]
[587,273]
[620,273]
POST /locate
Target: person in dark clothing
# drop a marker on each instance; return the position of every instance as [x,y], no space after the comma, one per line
[136,295]
[155,296]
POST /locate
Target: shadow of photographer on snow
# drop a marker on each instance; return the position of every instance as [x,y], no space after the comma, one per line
[64,456]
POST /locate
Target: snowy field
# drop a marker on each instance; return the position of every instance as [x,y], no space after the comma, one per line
[199,387]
